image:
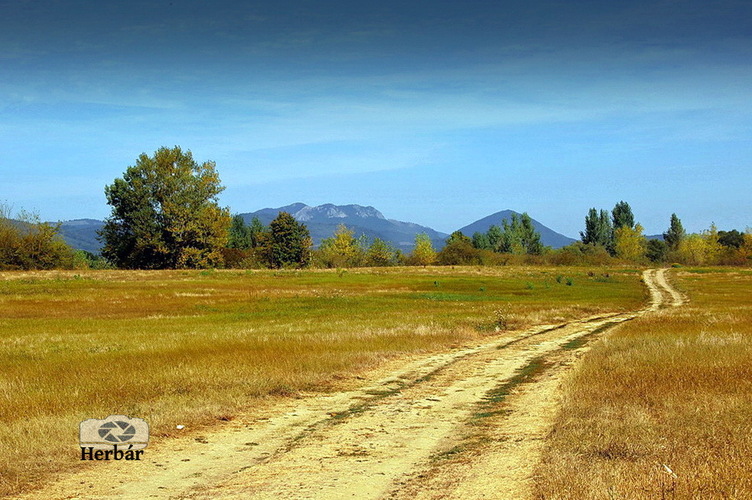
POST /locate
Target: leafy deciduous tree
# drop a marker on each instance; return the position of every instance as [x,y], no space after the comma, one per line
[520,236]
[28,243]
[731,239]
[257,230]
[165,214]
[629,243]
[480,241]
[423,253]
[517,236]
[699,249]
[692,250]
[459,250]
[494,237]
[343,249]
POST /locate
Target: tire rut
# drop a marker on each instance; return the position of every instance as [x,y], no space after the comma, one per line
[496,459]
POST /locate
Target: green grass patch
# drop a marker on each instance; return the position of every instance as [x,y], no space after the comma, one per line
[582,340]
[491,402]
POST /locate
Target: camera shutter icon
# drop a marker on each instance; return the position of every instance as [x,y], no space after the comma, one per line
[118,430]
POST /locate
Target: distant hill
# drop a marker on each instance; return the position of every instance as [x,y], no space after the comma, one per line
[549,237]
[323,220]
[82,234]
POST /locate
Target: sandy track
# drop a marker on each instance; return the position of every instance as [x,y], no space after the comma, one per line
[677,298]
[379,441]
[500,458]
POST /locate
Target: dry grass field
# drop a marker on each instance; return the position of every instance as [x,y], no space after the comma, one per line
[662,407]
[191,347]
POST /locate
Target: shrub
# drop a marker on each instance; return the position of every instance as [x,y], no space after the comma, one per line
[27,243]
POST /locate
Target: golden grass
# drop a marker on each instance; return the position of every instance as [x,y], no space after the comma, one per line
[188,347]
[662,408]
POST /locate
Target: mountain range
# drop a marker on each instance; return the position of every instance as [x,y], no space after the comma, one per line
[323,220]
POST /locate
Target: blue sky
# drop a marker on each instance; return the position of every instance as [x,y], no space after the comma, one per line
[434,112]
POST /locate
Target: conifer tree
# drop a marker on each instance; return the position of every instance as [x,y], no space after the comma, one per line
[622,216]
[675,233]
[598,229]
[240,234]
[288,243]
[380,254]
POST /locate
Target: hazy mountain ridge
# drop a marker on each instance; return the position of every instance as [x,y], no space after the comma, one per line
[323,220]
[81,234]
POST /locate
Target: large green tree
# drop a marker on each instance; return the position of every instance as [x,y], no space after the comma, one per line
[598,229]
[165,214]
[288,243]
[480,241]
[656,250]
[629,243]
[622,216]
[731,239]
[494,237]
[519,236]
[257,230]
[343,249]
[380,253]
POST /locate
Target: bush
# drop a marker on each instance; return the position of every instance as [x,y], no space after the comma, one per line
[459,253]
[578,254]
[27,243]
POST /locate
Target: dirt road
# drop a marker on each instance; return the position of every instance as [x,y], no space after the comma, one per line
[465,424]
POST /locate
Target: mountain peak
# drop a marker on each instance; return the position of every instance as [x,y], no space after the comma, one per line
[331,211]
[549,237]
[322,222]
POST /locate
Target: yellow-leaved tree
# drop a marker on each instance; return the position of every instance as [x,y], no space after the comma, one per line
[699,249]
[629,243]
[423,253]
[343,249]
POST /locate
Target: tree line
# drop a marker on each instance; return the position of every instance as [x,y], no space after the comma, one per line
[165,215]
[621,237]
